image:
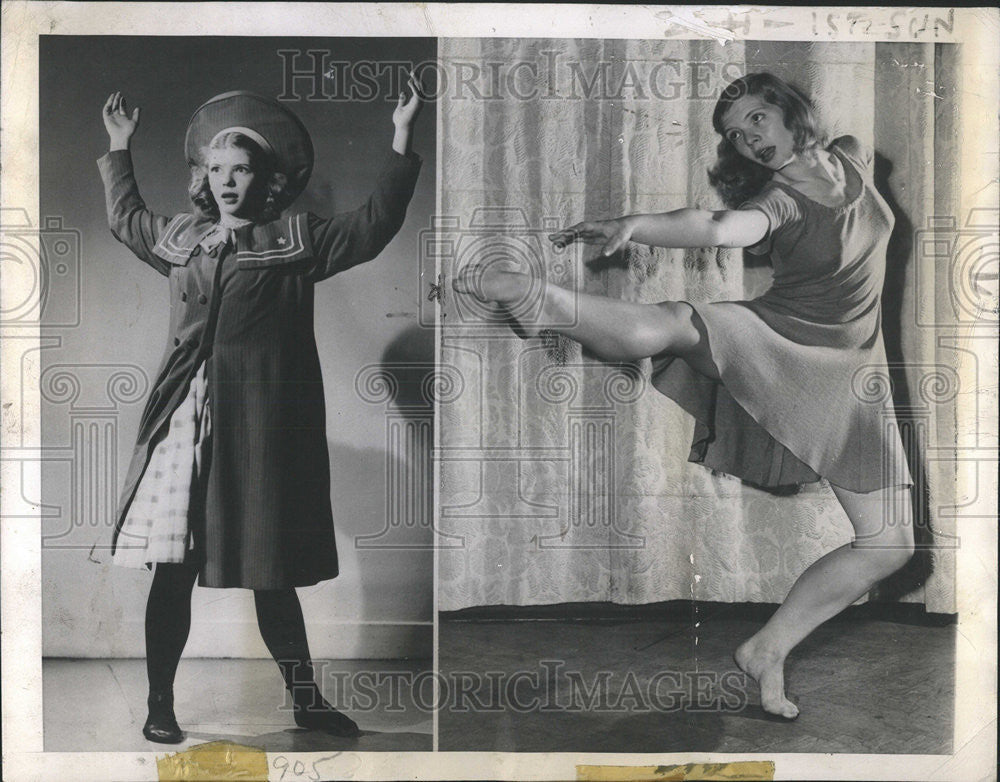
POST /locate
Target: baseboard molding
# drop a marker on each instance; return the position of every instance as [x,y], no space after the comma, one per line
[241,640]
[682,610]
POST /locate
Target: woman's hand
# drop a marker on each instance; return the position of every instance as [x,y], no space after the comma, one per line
[612,234]
[407,109]
[119,124]
[405,115]
[489,282]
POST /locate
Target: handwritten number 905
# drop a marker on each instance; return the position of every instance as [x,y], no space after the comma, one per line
[298,768]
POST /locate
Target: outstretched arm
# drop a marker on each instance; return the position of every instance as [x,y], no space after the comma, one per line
[355,237]
[679,228]
[130,222]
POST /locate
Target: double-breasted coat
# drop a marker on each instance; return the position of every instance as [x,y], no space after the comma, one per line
[247,312]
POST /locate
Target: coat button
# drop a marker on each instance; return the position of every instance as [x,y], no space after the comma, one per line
[203,299]
[177,341]
[184,296]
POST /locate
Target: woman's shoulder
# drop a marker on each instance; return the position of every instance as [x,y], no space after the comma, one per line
[773,196]
[855,149]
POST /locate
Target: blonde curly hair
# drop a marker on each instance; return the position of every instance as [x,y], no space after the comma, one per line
[276,200]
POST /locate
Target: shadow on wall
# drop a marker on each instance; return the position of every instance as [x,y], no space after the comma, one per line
[383,512]
[898,257]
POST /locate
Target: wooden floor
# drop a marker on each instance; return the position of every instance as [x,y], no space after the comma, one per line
[865,684]
[100,705]
[862,685]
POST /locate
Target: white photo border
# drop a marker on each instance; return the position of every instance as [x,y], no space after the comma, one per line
[20,540]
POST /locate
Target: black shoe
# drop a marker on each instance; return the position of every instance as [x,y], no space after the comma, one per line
[161,724]
[325,718]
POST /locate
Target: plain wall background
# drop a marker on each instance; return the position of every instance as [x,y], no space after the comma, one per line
[380,605]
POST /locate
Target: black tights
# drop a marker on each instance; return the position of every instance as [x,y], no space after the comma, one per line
[168,622]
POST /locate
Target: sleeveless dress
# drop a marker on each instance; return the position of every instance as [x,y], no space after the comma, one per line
[804,390]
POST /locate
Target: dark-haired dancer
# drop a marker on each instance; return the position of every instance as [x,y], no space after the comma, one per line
[782,408]
[230,479]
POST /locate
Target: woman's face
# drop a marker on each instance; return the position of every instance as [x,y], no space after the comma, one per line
[233,182]
[757,130]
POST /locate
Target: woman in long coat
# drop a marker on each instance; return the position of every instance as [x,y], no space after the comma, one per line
[229,482]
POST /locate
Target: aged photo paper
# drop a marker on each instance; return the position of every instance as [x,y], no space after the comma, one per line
[545,560]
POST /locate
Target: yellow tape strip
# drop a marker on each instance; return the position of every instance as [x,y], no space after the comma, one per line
[743,771]
[214,762]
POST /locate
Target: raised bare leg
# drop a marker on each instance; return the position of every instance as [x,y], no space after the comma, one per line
[612,329]
[883,542]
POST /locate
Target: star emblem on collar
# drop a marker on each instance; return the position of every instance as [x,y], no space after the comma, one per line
[282,241]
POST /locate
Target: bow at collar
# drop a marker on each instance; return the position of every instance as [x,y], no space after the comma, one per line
[223,233]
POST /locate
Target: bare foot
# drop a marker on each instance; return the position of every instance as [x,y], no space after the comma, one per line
[769,671]
[509,289]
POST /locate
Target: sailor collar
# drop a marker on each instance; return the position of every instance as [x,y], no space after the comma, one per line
[276,243]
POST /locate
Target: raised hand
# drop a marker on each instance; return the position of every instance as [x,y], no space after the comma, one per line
[405,115]
[407,109]
[118,122]
[612,234]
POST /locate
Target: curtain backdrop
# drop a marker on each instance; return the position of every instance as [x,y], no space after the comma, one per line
[563,479]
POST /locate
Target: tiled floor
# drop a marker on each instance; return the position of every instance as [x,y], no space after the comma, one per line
[100,705]
[868,686]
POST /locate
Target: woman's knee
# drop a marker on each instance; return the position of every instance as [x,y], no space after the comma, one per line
[652,329]
[883,526]
[690,339]
[894,542]
[672,321]
[897,551]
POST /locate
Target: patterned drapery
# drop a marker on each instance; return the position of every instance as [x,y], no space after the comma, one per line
[563,479]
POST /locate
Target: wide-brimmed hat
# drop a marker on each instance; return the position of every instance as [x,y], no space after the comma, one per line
[270,124]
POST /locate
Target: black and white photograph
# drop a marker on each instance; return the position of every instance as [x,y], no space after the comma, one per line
[204,398]
[631,525]
[436,391]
